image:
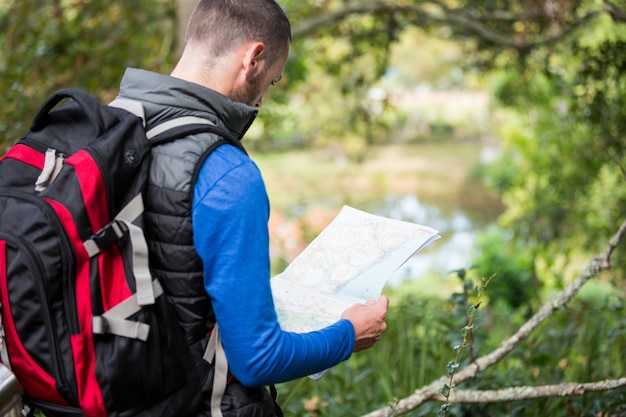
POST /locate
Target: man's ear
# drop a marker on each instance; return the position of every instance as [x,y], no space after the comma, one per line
[253,58]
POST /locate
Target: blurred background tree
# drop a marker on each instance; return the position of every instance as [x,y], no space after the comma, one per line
[48,45]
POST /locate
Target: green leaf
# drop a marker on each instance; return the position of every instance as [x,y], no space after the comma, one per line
[461,274]
[451,367]
[445,391]
[471,310]
[478,290]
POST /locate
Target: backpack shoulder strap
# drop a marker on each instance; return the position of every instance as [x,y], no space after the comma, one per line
[215,355]
[174,128]
[162,133]
[133,106]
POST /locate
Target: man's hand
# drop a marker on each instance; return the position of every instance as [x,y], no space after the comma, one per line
[368,320]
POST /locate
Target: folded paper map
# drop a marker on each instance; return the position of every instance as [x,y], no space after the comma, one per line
[347,263]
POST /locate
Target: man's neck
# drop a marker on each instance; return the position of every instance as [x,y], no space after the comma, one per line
[215,78]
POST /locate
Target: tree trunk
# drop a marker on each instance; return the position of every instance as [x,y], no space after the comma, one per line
[183,9]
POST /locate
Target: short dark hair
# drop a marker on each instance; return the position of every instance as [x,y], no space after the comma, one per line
[221,25]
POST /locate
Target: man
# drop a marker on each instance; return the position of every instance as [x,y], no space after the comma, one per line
[208,211]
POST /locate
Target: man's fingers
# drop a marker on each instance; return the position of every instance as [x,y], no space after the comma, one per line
[384,301]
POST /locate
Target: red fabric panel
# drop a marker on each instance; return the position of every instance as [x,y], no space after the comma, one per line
[89,393]
[110,264]
[31,376]
[113,285]
[26,154]
[92,187]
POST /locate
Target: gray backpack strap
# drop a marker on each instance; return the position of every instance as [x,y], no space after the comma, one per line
[214,354]
[175,123]
[4,352]
[132,106]
[135,107]
[114,321]
[143,278]
[121,224]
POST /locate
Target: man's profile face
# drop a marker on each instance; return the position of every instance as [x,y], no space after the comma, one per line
[252,92]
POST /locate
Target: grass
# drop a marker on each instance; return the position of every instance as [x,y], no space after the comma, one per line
[577,344]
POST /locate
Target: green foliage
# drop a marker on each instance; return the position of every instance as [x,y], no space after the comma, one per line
[84,44]
[476,293]
[336,97]
[332,105]
[415,347]
[582,343]
[516,284]
[563,174]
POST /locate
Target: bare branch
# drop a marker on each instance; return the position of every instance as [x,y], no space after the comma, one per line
[481,30]
[432,391]
[437,12]
[617,14]
[529,393]
[310,25]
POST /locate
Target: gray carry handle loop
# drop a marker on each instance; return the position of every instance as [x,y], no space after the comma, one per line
[53,163]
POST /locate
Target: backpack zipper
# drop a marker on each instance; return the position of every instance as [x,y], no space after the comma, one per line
[67,256]
[21,244]
[35,144]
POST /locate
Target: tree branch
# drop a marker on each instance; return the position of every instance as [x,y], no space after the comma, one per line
[529,393]
[436,11]
[480,29]
[432,391]
[310,25]
[617,14]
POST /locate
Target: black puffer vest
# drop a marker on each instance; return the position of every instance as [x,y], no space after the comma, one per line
[175,263]
[168,225]
[173,259]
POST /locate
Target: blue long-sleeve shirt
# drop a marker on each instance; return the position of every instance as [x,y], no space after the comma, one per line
[229,215]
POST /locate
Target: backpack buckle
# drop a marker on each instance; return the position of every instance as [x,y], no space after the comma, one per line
[109,234]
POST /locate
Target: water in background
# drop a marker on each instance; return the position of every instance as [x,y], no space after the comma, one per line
[453,251]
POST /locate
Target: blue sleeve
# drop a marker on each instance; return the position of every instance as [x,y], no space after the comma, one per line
[230,216]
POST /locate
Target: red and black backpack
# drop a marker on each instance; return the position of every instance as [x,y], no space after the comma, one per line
[87,331]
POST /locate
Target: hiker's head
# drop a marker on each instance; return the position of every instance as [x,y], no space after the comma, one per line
[243,43]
